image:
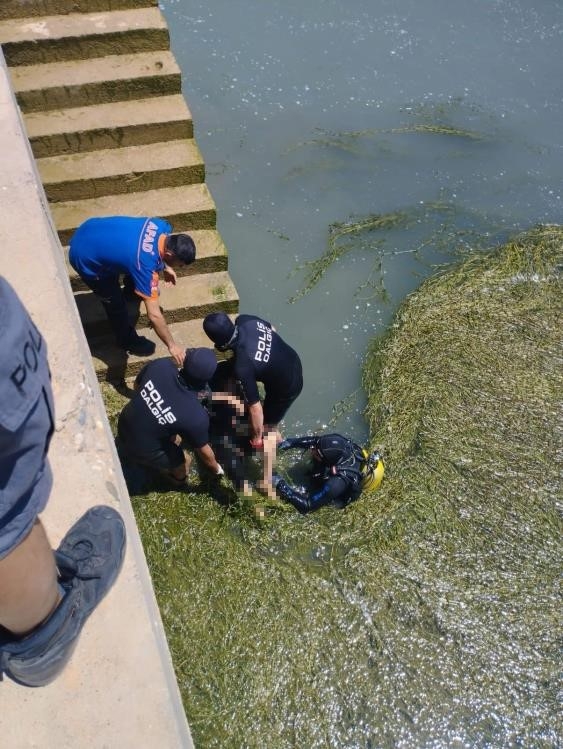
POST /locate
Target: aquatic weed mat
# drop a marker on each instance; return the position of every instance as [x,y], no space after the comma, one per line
[424,615]
[465,394]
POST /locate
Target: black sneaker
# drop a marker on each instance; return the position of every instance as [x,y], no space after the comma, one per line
[141,346]
[89,559]
[92,551]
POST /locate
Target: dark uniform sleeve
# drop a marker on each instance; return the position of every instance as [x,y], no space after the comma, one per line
[333,488]
[196,434]
[244,374]
[309,440]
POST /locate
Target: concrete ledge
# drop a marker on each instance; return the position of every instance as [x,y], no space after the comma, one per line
[97,80]
[119,689]
[112,365]
[187,207]
[114,125]
[207,292]
[25,8]
[80,176]
[82,35]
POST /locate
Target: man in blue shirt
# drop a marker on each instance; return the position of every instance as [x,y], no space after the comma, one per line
[103,249]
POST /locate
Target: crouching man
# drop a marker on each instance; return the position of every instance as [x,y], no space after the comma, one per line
[168,408]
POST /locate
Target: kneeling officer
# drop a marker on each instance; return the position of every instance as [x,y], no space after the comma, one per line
[342,470]
[167,405]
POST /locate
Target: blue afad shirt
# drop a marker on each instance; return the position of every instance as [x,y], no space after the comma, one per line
[120,244]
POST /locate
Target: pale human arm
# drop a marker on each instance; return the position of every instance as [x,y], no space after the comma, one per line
[256,416]
[158,322]
[208,459]
[169,275]
[232,400]
[265,485]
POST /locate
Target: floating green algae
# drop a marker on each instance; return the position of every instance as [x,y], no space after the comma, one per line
[429,118]
[449,230]
[426,614]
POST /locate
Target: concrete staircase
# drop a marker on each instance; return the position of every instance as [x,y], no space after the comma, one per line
[100,94]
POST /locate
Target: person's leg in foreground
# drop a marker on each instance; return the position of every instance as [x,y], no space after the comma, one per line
[45,596]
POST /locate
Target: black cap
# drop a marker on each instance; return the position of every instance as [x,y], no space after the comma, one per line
[199,366]
[219,328]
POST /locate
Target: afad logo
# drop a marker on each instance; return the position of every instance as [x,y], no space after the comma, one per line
[149,237]
[154,401]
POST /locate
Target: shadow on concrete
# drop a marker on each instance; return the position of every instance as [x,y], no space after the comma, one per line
[102,345]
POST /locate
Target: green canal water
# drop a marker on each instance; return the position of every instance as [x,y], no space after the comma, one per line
[427,614]
[366,158]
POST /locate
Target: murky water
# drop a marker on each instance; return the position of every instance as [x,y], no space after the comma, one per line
[311,112]
[384,625]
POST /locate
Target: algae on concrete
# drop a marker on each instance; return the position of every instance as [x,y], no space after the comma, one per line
[428,613]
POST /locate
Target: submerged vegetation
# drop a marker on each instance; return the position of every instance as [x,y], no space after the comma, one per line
[450,231]
[435,119]
[426,614]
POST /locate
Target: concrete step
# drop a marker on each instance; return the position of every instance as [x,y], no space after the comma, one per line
[121,170]
[22,9]
[77,36]
[102,126]
[192,297]
[81,83]
[211,257]
[113,365]
[187,207]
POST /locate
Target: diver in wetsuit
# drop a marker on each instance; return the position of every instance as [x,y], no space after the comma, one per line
[342,470]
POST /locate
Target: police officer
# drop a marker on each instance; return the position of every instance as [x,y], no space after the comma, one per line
[169,404]
[45,595]
[341,471]
[102,249]
[260,355]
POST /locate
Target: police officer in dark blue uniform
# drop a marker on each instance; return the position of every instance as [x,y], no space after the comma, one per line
[169,403]
[260,355]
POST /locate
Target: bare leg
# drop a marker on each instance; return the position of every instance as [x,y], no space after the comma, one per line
[29,592]
[265,485]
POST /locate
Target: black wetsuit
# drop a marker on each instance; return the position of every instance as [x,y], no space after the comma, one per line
[162,407]
[261,355]
[339,484]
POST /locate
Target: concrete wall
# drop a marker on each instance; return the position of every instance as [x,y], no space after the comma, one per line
[119,689]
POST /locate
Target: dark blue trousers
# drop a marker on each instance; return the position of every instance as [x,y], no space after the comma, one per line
[108,289]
